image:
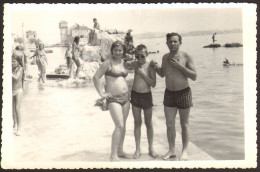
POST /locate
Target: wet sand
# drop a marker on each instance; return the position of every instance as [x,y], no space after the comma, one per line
[74,130]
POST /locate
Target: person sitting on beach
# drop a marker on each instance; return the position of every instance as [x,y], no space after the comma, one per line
[41,61]
[130,50]
[96,24]
[68,56]
[177,67]
[17,90]
[128,37]
[117,95]
[141,98]
[76,55]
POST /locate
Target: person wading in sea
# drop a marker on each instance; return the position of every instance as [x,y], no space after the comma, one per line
[176,67]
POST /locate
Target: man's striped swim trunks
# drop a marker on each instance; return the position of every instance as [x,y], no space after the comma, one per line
[181,99]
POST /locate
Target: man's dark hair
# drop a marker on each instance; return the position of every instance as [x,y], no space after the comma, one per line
[169,35]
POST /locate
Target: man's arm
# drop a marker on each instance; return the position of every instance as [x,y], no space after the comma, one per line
[189,70]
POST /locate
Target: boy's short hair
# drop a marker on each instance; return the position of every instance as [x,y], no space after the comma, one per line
[169,35]
[117,44]
[140,48]
[94,19]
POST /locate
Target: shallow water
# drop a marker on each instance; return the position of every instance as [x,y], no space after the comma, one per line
[216,119]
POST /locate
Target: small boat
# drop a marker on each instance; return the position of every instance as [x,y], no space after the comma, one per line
[57,76]
[232,64]
[48,51]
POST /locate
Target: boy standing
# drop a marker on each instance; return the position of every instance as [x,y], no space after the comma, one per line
[141,98]
[177,67]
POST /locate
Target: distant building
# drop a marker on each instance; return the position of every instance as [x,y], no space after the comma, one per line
[63,25]
[67,34]
[31,34]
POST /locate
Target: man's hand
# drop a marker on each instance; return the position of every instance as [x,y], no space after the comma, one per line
[176,63]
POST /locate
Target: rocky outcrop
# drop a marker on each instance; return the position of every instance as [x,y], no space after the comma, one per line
[92,53]
[212,46]
[228,45]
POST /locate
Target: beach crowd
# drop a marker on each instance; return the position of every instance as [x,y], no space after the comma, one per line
[177,67]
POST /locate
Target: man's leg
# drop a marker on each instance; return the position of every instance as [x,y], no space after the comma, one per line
[137,130]
[170,114]
[149,128]
[184,120]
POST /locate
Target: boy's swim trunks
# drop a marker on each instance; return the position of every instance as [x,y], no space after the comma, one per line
[121,99]
[181,99]
[141,100]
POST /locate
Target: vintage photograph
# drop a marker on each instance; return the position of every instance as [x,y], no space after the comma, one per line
[129,86]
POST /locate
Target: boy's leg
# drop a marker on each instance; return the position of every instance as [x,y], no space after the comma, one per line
[184,120]
[149,130]
[170,115]
[137,130]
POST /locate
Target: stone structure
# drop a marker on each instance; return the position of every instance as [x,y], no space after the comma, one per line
[67,34]
[63,25]
[31,34]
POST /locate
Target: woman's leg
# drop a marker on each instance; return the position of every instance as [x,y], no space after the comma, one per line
[125,111]
[14,113]
[117,116]
[18,99]
[77,62]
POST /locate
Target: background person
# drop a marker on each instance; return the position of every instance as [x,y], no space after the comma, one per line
[42,62]
[76,55]
[17,91]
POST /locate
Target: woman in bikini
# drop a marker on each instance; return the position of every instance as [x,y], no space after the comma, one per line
[117,95]
[68,56]
[17,90]
[41,61]
[76,54]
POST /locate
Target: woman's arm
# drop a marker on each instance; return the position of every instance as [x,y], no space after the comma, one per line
[96,78]
[18,74]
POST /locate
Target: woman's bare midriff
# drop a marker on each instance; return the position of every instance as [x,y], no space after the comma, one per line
[116,85]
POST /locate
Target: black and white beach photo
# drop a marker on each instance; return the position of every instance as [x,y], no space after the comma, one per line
[117,85]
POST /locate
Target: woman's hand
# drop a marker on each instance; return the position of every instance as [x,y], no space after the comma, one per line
[106,95]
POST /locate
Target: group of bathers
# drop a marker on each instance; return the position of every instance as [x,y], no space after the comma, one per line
[181,99]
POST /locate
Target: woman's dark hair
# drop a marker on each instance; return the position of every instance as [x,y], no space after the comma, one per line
[169,35]
[76,39]
[117,44]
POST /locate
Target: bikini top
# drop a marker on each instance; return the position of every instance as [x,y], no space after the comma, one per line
[116,73]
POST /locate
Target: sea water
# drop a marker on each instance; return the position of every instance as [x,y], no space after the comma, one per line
[216,118]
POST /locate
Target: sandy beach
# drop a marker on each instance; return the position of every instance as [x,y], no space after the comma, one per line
[80,131]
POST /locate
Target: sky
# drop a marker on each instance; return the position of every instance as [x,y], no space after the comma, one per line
[45,18]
